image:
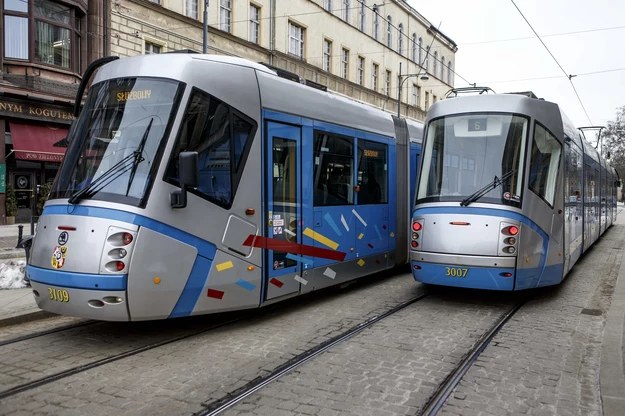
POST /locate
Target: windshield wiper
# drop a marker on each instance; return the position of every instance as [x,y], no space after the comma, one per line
[138,155]
[492,185]
[103,180]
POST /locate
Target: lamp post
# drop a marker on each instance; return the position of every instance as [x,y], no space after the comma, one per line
[205,29]
[402,78]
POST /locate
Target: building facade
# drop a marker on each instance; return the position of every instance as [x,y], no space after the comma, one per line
[363,49]
[45,47]
[374,52]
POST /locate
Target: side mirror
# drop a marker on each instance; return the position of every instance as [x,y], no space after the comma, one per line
[189,178]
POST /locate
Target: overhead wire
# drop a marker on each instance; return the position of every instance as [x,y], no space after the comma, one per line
[569,76]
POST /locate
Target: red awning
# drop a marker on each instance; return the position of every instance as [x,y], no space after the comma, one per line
[35,143]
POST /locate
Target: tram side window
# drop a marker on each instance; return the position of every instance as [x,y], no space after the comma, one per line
[333,170]
[544,164]
[222,139]
[372,173]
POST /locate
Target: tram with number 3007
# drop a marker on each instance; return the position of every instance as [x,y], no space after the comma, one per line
[196,184]
[510,194]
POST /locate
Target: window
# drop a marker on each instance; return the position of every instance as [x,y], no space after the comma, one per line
[387,82]
[435,64]
[362,20]
[400,39]
[427,100]
[427,59]
[442,68]
[151,48]
[414,46]
[376,23]
[415,94]
[15,37]
[191,9]
[225,15]
[327,55]
[374,76]
[254,24]
[346,10]
[345,63]
[296,40]
[327,4]
[389,34]
[361,70]
[544,164]
[372,173]
[222,137]
[333,170]
[420,51]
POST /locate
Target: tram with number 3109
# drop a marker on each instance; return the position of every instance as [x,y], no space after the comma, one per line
[195,184]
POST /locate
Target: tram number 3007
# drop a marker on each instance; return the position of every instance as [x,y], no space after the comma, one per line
[58,295]
[456,271]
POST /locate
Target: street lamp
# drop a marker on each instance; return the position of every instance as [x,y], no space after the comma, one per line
[402,78]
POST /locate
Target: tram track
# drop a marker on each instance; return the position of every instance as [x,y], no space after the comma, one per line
[37,334]
[107,360]
[220,405]
[444,390]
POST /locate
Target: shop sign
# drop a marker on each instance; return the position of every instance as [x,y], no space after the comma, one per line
[34,111]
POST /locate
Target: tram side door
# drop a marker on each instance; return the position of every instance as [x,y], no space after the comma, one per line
[284,211]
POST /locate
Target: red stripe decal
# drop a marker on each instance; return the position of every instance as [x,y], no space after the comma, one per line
[276,282]
[293,248]
[214,293]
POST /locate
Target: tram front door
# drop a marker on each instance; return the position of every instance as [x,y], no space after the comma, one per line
[282,216]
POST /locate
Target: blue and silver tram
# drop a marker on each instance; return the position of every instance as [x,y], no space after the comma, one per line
[195,184]
[510,194]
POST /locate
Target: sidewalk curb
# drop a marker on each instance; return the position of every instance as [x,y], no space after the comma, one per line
[611,376]
[28,317]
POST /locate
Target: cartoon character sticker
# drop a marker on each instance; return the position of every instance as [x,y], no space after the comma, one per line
[58,256]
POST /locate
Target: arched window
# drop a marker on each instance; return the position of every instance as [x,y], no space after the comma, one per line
[414,46]
[427,59]
[389,27]
[435,64]
[400,39]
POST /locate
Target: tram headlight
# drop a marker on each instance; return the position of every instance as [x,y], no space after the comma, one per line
[509,250]
[510,241]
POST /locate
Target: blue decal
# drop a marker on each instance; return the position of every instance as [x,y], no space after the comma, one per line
[249,286]
[300,259]
[193,288]
[332,224]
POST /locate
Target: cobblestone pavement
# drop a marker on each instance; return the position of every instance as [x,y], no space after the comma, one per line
[177,378]
[545,361]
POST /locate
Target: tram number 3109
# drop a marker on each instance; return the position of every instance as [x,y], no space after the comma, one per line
[456,271]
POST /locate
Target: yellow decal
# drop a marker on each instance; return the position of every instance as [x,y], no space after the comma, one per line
[360,262]
[360,236]
[58,256]
[224,266]
[321,239]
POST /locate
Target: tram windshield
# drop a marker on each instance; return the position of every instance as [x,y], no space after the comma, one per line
[474,158]
[115,143]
